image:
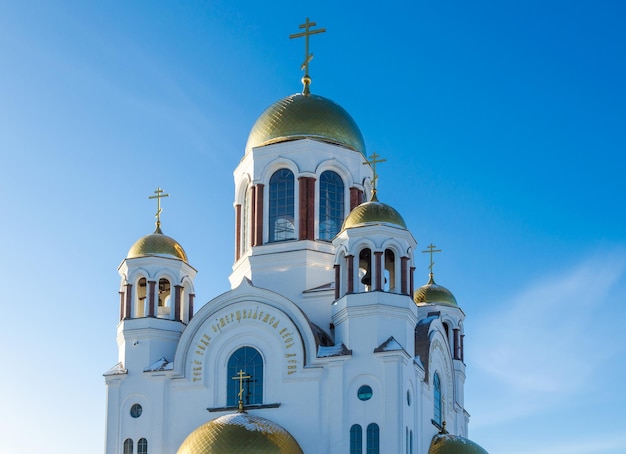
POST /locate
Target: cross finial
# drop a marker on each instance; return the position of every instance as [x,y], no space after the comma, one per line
[431,250]
[241,376]
[374,160]
[159,195]
[306,80]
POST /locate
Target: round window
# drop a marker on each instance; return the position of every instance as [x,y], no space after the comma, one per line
[364,392]
[136,410]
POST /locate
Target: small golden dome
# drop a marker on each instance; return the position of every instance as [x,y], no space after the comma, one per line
[453,444]
[303,116]
[157,244]
[371,213]
[239,433]
[431,293]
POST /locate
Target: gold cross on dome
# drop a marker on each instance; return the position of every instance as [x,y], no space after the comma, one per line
[374,160]
[159,195]
[306,33]
[431,250]
[241,376]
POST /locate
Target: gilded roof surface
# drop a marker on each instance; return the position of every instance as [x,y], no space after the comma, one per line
[434,294]
[240,433]
[302,116]
[373,212]
[453,444]
[157,244]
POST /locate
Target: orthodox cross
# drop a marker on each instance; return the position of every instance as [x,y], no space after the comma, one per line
[307,57]
[159,195]
[431,250]
[374,160]
[241,376]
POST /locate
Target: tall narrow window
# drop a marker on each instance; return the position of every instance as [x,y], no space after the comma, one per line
[281,212]
[373,441]
[249,361]
[142,446]
[140,306]
[365,270]
[437,399]
[245,222]
[390,271]
[331,212]
[356,439]
[164,309]
[128,446]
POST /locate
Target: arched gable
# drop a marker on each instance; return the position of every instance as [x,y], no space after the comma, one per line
[246,315]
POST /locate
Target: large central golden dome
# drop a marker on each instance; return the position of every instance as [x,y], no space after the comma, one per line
[240,433]
[302,116]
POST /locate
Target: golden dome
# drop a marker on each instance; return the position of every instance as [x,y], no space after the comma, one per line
[453,444]
[431,293]
[157,244]
[303,116]
[240,433]
[373,212]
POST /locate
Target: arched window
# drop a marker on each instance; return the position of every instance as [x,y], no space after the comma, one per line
[165,299]
[356,439]
[249,361]
[331,212]
[373,441]
[365,270]
[142,446]
[281,212]
[437,399]
[390,271]
[245,222]
[410,442]
[140,306]
[128,446]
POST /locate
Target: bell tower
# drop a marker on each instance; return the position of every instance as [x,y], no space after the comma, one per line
[156,297]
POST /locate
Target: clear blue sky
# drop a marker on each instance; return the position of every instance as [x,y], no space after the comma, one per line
[503,126]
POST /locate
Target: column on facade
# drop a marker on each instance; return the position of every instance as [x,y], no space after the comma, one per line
[178,291]
[237,231]
[350,273]
[378,270]
[191,297]
[257,207]
[337,281]
[306,210]
[129,300]
[356,198]
[404,288]
[151,298]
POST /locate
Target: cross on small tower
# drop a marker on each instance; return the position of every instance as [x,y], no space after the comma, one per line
[307,57]
[431,250]
[159,195]
[374,160]
[241,376]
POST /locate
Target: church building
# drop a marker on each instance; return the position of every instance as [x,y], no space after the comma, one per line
[324,344]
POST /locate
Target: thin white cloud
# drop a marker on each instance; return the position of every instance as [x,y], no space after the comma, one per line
[543,344]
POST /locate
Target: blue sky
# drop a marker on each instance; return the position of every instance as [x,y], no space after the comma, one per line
[502,124]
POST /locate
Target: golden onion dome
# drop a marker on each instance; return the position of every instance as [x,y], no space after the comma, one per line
[239,433]
[453,444]
[431,293]
[157,244]
[372,213]
[302,116]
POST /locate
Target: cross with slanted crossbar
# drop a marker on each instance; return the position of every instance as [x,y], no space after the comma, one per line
[306,33]
[241,376]
[431,250]
[159,195]
[374,160]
